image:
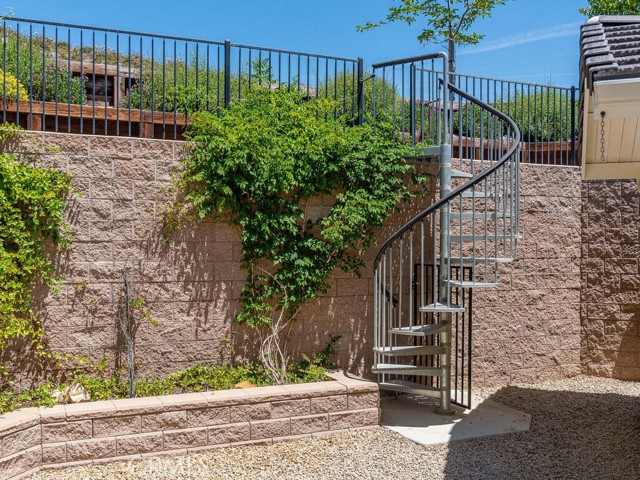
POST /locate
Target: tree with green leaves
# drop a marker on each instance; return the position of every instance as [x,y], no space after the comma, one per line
[611,7]
[261,166]
[447,21]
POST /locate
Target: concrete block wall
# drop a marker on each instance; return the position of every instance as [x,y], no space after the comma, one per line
[527,330]
[68,435]
[190,279]
[610,295]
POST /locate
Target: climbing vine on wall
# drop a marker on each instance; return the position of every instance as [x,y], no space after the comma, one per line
[32,206]
[259,166]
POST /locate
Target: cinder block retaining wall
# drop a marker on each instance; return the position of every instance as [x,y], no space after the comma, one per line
[538,325]
[528,329]
[190,279]
[610,294]
[131,429]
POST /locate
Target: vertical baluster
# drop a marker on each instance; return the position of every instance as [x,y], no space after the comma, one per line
[218,82]
[106,84]
[56,77]
[30,126]
[400,278]
[393,101]
[411,278]
[376,310]
[141,86]
[207,70]
[4,71]
[116,85]
[175,84]
[18,73]
[240,72]
[423,287]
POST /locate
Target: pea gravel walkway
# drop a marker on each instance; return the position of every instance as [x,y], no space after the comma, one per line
[582,428]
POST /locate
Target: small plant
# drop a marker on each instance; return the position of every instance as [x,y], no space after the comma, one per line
[134,312]
[11,88]
[56,84]
[99,385]
[314,368]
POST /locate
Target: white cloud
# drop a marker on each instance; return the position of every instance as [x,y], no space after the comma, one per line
[530,36]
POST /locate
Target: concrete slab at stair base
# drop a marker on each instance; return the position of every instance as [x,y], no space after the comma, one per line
[415,418]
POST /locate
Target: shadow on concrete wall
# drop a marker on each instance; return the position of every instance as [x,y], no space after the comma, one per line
[20,356]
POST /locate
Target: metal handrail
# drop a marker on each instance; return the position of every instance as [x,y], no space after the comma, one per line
[468,185]
[418,58]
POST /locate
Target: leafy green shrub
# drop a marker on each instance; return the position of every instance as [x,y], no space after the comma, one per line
[181,98]
[199,378]
[180,86]
[32,206]
[57,84]
[546,116]
[258,165]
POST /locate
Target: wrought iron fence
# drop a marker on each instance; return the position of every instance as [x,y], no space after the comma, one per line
[547,116]
[404,96]
[79,79]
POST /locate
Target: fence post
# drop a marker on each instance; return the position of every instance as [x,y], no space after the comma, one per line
[227,73]
[360,90]
[573,125]
[412,103]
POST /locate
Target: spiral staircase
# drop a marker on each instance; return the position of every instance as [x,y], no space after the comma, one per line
[425,272]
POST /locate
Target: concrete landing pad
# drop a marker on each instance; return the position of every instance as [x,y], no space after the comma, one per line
[414,418]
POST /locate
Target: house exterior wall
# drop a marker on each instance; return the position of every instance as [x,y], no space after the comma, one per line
[525,331]
[621,103]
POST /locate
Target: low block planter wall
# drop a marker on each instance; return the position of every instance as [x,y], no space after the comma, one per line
[68,435]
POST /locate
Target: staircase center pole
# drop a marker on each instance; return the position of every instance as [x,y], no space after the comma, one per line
[445,234]
[443,280]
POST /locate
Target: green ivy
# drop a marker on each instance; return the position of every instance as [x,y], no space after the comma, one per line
[259,164]
[32,206]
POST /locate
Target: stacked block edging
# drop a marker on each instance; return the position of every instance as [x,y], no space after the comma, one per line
[71,435]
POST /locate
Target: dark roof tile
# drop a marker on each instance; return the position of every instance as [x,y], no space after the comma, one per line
[610,48]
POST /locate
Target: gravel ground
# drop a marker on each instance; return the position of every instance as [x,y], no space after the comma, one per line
[582,428]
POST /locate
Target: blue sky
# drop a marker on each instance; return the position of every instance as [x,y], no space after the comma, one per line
[526,40]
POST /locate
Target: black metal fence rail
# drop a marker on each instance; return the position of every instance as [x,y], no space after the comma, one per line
[547,115]
[79,79]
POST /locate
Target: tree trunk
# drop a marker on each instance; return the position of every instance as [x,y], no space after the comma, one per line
[452,55]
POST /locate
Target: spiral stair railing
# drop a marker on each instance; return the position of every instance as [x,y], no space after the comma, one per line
[473,225]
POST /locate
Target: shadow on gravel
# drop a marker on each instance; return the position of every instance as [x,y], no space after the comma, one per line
[573,435]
